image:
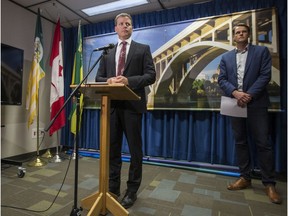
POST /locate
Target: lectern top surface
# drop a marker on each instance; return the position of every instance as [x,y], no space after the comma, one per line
[114,91]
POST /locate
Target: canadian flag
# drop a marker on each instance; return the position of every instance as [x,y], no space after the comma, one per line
[57,82]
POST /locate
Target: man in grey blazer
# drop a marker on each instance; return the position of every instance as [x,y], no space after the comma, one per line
[244,74]
[126,116]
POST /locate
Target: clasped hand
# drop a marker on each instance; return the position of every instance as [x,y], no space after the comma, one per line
[118,79]
[242,98]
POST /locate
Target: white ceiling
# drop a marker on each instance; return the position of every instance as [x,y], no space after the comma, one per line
[70,12]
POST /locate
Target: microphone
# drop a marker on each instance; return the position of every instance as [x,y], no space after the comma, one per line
[109,46]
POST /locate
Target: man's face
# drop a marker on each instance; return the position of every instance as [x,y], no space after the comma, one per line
[123,28]
[241,34]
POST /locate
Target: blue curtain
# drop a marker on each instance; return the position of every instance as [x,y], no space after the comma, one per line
[198,136]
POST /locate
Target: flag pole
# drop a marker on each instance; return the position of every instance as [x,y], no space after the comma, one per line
[37,162]
[47,154]
[73,155]
[57,158]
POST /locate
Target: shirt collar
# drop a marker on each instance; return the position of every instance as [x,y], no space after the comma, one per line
[242,51]
[128,41]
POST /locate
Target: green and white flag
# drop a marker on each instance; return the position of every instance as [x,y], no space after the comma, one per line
[36,73]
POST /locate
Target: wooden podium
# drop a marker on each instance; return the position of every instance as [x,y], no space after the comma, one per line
[102,201]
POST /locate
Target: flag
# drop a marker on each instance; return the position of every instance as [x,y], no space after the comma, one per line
[36,73]
[77,77]
[57,82]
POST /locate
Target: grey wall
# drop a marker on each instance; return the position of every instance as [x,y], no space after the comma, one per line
[18,30]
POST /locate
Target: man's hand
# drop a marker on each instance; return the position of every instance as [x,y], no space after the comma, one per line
[118,79]
[242,98]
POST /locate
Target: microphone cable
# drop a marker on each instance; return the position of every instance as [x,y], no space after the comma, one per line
[52,203]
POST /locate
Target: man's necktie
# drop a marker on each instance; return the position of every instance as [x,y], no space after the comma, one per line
[121,61]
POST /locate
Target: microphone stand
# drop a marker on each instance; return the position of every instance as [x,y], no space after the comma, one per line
[76,211]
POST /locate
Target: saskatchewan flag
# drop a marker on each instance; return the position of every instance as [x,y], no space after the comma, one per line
[36,73]
[77,77]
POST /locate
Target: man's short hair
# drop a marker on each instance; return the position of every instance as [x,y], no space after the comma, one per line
[123,15]
[241,24]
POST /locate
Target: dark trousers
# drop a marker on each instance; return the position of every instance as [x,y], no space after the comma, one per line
[129,123]
[256,125]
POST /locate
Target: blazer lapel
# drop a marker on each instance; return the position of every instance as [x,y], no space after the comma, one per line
[249,58]
[112,61]
[234,65]
[130,54]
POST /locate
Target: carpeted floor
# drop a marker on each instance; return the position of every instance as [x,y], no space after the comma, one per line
[165,191]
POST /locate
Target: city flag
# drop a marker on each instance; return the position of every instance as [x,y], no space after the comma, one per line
[57,82]
[77,77]
[36,73]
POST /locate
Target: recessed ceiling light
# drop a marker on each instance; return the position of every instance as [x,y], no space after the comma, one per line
[113,6]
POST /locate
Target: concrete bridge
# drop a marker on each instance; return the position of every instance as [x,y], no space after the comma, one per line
[183,58]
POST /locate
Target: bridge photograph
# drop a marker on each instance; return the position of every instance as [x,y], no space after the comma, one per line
[186,57]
